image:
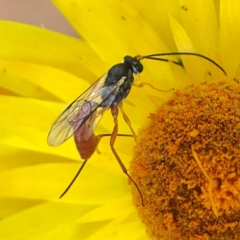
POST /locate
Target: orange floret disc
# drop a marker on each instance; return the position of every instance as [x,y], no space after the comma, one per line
[187,165]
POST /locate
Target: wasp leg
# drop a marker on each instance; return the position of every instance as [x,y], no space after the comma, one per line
[114,111]
[85,161]
[108,135]
[127,120]
[142,84]
[71,183]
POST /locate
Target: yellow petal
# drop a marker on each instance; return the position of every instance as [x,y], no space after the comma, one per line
[48,181]
[26,122]
[229,37]
[114,230]
[24,43]
[22,87]
[11,206]
[156,13]
[194,65]
[181,78]
[216,73]
[18,156]
[40,81]
[118,28]
[55,220]
[108,211]
[200,22]
[238,73]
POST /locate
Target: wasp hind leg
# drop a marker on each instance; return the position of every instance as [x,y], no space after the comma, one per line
[75,177]
[85,161]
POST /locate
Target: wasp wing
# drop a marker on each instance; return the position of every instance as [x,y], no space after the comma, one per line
[86,109]
[109,95]
[88,127]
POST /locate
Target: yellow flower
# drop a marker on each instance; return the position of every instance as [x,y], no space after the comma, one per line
[42,71]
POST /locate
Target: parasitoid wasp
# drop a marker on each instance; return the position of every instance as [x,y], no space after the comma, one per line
[82,116]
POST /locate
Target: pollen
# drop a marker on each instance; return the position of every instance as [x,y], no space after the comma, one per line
[187,165]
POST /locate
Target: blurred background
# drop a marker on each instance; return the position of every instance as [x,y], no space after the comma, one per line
[41,13]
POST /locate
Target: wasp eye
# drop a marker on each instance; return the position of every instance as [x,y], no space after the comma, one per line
[137,67]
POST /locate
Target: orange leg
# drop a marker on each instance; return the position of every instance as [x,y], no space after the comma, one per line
[142,84]
[114,111]
[127,120]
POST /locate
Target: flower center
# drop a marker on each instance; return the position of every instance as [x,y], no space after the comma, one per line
[187,165]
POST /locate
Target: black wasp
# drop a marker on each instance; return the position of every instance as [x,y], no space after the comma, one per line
[108,92]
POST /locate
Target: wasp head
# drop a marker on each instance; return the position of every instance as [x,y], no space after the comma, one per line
[134,64]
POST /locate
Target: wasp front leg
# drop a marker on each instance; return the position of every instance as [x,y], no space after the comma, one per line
[142,84]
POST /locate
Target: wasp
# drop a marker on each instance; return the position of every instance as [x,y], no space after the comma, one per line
[81,117]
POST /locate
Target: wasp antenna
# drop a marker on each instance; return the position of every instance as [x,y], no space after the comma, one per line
[164,60]
[155,57]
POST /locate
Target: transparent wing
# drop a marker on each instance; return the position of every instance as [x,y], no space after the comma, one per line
[88,127]
[86,110]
